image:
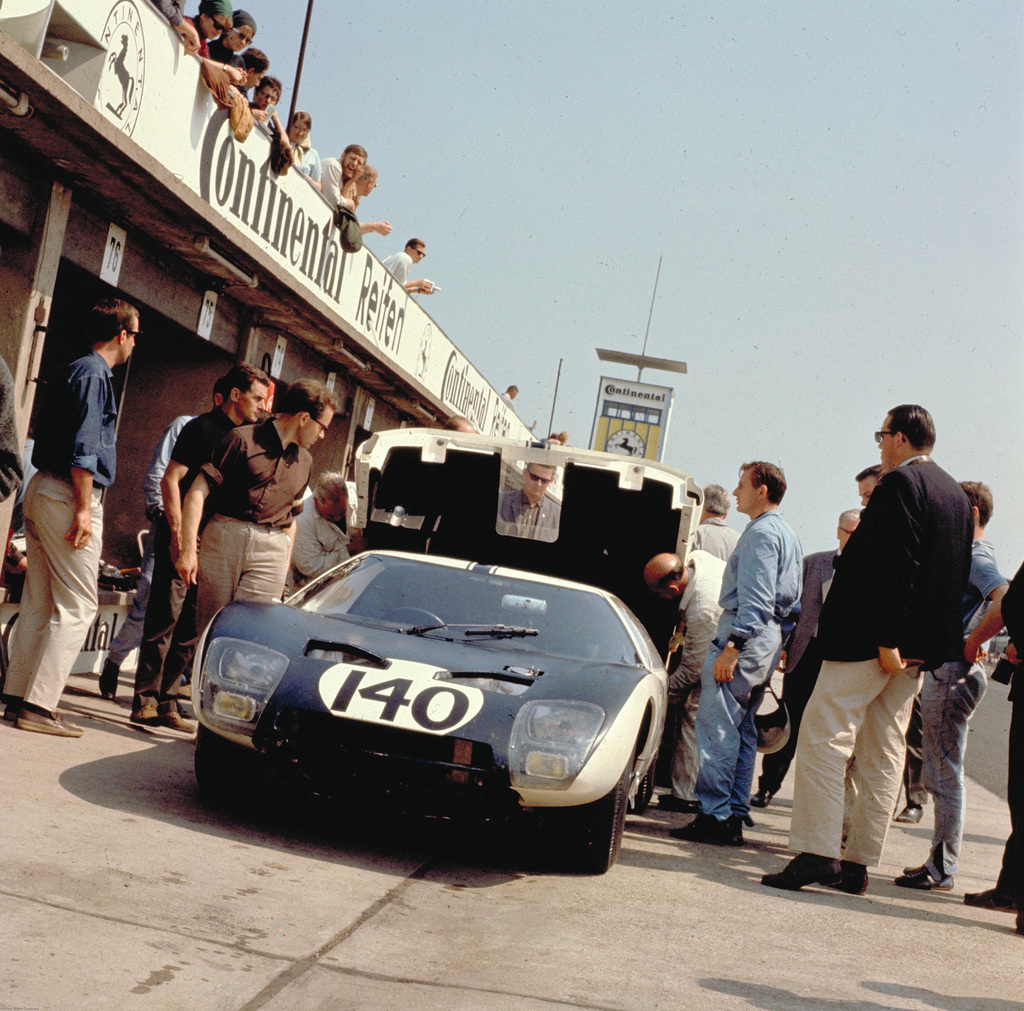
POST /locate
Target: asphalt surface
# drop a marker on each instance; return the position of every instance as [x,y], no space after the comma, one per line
[120,888]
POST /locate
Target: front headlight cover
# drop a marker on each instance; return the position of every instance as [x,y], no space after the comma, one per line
[237,679]
[551,741]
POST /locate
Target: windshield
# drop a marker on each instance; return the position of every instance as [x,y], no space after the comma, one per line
[497,612]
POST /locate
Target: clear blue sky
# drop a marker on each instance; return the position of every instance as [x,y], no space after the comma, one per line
[835,189]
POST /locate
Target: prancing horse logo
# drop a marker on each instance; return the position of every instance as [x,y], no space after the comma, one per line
[120,92]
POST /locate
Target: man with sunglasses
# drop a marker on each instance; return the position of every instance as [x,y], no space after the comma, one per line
[894,609]
[76,458]
[528,511]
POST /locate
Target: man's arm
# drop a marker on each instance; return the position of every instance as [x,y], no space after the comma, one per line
[991,624]
[81,526]
[701,625]
[423,286]
[188,558]
[170,488]
[380,227]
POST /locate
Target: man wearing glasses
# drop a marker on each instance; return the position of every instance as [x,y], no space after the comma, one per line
[399,264]
[528,512]
[76,459]
[894,609]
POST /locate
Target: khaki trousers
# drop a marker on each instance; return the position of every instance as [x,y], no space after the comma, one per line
[239,561]
[60,598]
[855,709]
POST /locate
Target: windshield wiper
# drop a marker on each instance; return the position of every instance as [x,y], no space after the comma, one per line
[491,631]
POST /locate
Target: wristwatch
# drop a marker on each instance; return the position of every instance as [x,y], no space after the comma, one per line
[736,642]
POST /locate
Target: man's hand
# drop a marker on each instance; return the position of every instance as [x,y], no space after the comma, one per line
[260,115]
[189,36]
[188,565]
[1011,653]
[781,665]
[725,663]
[890,660]
[81,528]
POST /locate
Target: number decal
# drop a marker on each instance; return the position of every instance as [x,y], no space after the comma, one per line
[411,698]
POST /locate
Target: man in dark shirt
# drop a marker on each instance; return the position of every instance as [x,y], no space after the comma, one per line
[894,609]
[169,633]
[255,482]
[76,458]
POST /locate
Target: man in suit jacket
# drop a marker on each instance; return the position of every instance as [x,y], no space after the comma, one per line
[893,609]
[801,659]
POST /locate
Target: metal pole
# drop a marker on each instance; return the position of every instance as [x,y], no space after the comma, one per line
[298,66]
[649,314]
[554,399]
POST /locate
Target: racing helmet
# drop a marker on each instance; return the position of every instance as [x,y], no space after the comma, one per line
[773,728]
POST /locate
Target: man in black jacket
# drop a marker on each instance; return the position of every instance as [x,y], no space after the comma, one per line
[894,609]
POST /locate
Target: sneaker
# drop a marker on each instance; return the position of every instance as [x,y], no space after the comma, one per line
[52,725]
[706,828]
[146,716]
[175,721]
[921,878]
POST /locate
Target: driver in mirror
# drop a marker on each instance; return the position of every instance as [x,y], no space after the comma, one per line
[528,511]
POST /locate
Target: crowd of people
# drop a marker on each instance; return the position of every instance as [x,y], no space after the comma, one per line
[222,39]
[899,611]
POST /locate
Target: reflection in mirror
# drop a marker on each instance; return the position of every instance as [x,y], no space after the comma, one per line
[526,507]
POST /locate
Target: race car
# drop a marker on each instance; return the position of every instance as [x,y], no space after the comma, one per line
[439,685]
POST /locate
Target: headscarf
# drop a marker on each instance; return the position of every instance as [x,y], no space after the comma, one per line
[215,8]
[240,18]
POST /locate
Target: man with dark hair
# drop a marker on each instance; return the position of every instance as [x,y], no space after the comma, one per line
[528,511]
[76,459]
[697,587]
[949,697]
[399,264]
[895,607]
[255,482]
[255,64]
[169,632]
[801,659]
[714,535]
[760,590]
[866,481]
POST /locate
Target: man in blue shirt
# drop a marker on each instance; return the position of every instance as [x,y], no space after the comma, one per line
[760,595]
[75,456]
[949,696]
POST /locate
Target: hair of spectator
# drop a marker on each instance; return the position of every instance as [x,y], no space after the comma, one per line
[716,500]
[256,60]
[915,424]
[240,377]
[413,243]
[457,423]
[848,516]
[767,474]
[980,496]
[303,121]
[270,82]
[109,317]
[369,172]
[306,395]
[244,18]
[216,8]
[354,149]
[330,488]
[873,471]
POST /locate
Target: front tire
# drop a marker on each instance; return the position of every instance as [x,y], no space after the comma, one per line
[592,833]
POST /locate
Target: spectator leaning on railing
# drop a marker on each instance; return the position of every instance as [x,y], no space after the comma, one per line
[307,158]
[228,48]
[365,185]
[338,175]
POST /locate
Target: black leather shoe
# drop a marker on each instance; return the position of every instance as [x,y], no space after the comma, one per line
[762,798]
[670,802]
[910,815]
[705,828]
[805,869]
[108,680]
[921,879]
[991,899]
[854,878]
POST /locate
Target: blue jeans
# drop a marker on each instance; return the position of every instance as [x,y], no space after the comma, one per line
[726,735]
[129,636]
[949,697]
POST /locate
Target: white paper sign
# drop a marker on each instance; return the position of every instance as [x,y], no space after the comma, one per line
[207,312]
[113,255]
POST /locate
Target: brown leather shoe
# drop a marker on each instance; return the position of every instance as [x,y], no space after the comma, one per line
[854,879]
[991,899]
[805,869]
[146,716]
[52,725]
[175,721]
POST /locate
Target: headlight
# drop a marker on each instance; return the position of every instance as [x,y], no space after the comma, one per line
[236,681]
[551,741]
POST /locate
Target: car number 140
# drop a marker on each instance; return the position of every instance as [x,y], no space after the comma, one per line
[405,695]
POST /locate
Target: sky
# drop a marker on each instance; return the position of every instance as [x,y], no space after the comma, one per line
[834,192]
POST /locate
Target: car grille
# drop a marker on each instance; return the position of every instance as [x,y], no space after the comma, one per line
[339,756]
